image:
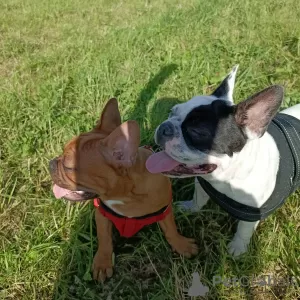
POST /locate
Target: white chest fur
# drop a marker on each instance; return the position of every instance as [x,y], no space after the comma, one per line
[110,204]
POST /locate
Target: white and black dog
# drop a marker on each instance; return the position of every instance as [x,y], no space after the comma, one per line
[244,156]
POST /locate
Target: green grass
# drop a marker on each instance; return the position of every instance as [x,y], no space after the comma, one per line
[59,63]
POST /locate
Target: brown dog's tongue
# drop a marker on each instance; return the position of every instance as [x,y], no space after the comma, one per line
[161,162]
[60,192]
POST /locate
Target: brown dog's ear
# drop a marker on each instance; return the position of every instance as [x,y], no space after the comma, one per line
[110,118]
[255,113]
[123,144]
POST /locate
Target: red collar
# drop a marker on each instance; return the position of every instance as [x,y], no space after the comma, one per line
[126,226]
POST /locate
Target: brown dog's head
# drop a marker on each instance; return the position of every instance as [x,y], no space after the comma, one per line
[91,162]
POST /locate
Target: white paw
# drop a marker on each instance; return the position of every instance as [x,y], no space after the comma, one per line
[188,206]
[238,246]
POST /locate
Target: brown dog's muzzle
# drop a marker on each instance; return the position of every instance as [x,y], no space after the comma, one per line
[53,166]
[53,169]
[54,173]
[72,195]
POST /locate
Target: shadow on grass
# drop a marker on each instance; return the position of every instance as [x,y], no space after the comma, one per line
[145,267]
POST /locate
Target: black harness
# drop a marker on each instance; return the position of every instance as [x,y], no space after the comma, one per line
[112,212]
[285,130]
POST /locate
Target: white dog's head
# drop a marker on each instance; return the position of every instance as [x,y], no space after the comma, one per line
[206,130]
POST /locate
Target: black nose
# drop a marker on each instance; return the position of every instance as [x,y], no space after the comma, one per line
[166,129]
[53,165]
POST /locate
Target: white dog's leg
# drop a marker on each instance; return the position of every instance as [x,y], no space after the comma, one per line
[242,237]
[199,200]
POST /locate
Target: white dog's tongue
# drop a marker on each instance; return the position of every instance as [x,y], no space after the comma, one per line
[60,192]
[161,162]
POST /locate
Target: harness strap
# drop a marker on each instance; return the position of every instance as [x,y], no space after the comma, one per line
[128,227]
[99,203]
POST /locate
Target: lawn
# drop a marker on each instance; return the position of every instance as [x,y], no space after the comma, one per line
[60,61]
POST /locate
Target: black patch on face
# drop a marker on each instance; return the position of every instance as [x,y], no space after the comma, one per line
[213,128]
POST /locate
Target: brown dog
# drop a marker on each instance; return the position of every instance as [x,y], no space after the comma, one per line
[108,162]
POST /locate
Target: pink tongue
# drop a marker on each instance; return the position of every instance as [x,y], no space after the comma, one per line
[161,162]
[60,192]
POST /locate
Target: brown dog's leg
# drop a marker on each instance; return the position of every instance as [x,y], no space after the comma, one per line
[179,243]
[103,264]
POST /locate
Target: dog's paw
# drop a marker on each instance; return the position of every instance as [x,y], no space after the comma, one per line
[238,246]
[184,246]
[102,265]
[188,206]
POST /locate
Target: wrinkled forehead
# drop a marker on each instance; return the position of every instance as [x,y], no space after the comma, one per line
[180,111]
[84,151]
[81,143]
[70,148]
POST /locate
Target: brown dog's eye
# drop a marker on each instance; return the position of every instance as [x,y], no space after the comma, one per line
[68,169]
[68,163]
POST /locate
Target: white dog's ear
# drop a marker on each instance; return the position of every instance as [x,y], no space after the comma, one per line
[255,113]
[225,89]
